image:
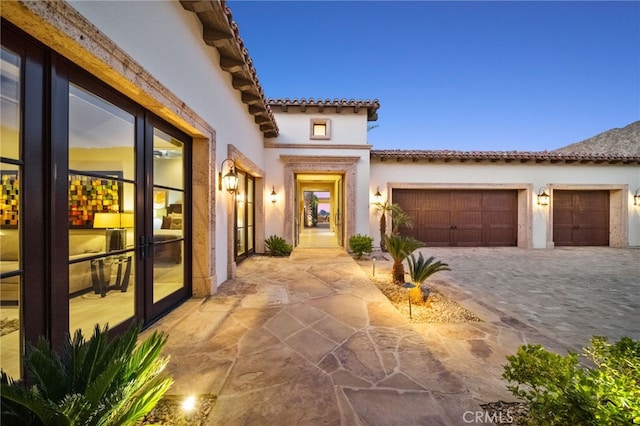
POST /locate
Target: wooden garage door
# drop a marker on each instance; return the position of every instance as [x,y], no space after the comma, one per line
[581,218]
[448,218]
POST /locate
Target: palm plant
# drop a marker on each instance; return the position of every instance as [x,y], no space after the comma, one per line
[399,248]
[421,269]
[384,208]
[101,381]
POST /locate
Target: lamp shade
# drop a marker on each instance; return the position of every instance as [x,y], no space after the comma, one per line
[106,220]
[113,220]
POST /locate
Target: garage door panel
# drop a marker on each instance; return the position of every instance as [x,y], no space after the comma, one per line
[438,218]
[468,218]
[586,236]
[468,237]
[434,237]
[581,217]
[563,217]
[500,236]
[463,200]
[462,217]
[502,217]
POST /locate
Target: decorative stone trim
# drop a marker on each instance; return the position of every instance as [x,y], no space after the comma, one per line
[314,146]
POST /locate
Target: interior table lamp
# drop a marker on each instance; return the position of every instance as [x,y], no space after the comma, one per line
[115,225]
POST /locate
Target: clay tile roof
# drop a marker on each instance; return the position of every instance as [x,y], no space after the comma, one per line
[221,32]
[502,156]
[338,104]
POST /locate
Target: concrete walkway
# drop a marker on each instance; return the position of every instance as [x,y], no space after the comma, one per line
[308,340]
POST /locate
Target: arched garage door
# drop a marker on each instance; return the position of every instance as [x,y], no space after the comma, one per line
[580,218]
[450,218]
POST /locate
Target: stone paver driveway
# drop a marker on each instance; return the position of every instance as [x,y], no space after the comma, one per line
[569,294]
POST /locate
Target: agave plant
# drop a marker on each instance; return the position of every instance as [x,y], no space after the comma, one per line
[399,248]
[101,381]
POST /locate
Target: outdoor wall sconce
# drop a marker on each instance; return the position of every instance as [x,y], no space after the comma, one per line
[636,198]
[230,179]
[543,197]
[273,196]
[377,196]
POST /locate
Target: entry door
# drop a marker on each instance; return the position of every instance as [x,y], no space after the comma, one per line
[581,218]
[166,253]
[339,216]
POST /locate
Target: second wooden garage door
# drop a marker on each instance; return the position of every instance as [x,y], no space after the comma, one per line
[581,218]
[449,218]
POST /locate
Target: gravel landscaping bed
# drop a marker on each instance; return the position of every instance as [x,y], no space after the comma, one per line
[436,309]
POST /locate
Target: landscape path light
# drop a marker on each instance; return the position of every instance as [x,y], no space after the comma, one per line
[409,286]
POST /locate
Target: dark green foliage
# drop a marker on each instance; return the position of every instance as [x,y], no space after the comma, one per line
[399,248]
[94,382]
[277,246]
[559,391]
[421,269]
[360,244]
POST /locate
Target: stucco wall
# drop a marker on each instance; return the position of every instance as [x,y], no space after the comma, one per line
[494,175]
[347,128]
[167,41]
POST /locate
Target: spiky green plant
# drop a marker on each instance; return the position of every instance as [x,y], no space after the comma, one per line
[101,381]
[421,269]
[278,246]
[399,248]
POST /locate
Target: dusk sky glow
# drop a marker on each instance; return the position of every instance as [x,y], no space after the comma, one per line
[495,76]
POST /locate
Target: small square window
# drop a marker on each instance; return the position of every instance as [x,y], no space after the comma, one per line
[320,129]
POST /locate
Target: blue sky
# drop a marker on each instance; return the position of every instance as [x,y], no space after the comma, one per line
[524,76]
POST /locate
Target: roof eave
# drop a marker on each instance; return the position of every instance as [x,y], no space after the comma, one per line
[219,31]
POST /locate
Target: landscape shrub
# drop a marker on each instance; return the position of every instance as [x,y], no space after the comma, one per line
[277,246]
[102,381]
[558,391]
[360,244]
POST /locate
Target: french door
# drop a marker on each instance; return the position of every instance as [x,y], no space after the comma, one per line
[95,212]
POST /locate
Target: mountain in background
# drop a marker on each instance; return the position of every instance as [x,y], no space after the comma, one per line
[625,141]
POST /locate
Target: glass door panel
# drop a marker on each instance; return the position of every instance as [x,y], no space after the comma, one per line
[250,218]
[241,205]
[102,212]
[11,169]
[168,215]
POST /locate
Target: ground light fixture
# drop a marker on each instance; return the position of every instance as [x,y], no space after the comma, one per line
[189,404]
[230,179]
[377,196]
[543,197]
[409,286]
[636,198]
[273,196]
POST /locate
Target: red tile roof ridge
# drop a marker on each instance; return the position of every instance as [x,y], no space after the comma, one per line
[520,155]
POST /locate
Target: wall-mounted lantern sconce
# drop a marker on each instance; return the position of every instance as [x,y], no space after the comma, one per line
[377,197]
[273,196]
[636,198]
[543,197]
[230,179]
